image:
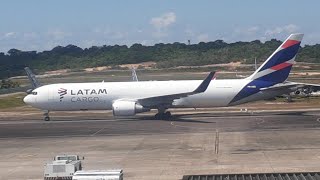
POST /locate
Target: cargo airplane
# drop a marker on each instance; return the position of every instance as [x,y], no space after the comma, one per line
[130,98]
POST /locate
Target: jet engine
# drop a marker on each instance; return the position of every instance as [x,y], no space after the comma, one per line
[127,108]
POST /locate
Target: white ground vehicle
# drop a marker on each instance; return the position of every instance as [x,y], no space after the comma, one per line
[63,167]
[115,174]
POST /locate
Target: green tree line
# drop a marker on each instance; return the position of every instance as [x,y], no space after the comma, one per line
[165,55]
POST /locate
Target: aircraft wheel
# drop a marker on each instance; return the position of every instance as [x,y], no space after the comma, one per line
[47,118]
[167,115]
[157,116]
[163,116]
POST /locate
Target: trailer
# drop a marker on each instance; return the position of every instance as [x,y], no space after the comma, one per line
[62,167]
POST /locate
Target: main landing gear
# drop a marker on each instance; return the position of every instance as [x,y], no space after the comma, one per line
[163,114]
[46,116]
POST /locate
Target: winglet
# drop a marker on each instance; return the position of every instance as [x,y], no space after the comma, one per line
[205,83]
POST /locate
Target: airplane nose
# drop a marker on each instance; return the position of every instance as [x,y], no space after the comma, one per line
[28,99]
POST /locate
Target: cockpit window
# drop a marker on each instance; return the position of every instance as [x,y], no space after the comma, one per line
[34,93]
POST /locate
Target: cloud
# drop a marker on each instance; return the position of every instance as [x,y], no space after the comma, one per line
[311,38]
[58,34]
[30,35]
[160,34]
[203,37]
[290,28]
[248,31]
[196,36]
[189,32]
[118,35]
[10,35]
[164,20]
[162,23]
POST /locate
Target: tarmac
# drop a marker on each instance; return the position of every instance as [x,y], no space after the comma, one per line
[145,148]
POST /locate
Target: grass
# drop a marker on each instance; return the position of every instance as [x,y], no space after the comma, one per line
[12,100]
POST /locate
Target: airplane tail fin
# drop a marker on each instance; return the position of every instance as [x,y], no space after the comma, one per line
[277,67]
[32,78]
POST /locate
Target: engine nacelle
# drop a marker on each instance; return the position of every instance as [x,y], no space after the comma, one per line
[127,108]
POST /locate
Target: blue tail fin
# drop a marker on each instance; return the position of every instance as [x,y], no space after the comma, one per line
[274,70]
[277,67]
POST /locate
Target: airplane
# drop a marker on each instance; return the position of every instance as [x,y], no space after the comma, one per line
[35,84]
[131,98]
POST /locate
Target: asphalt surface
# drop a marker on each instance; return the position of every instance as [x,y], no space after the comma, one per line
[145,148]
[144,125]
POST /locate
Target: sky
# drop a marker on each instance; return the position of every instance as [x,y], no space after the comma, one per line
[42,24]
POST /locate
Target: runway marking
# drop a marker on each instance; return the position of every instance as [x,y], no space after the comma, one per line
[231,117]
[190,127]
[216,144]
[261,121]
[97,132]
[87,135]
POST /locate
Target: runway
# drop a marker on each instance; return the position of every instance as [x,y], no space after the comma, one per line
[203,143]
[147,125]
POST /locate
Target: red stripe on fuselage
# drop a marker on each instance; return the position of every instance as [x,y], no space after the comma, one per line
[281,66]
[289,43]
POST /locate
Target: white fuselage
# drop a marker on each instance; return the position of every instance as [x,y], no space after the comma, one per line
[100,96]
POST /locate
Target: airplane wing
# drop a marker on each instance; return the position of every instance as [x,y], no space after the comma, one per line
[294,86]
[166,100]
[307,87]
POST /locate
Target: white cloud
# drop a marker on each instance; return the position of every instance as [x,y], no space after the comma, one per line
[162,23]
[253,30]
[164,20]
[30,35]
[97,30]
[290,28]
[195,36]
[119,35]
[159,34]
[89,43]
[10,35]
[115,34]
[189,32]
[249,31]
[58,34]
[203,38]
[311,38]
